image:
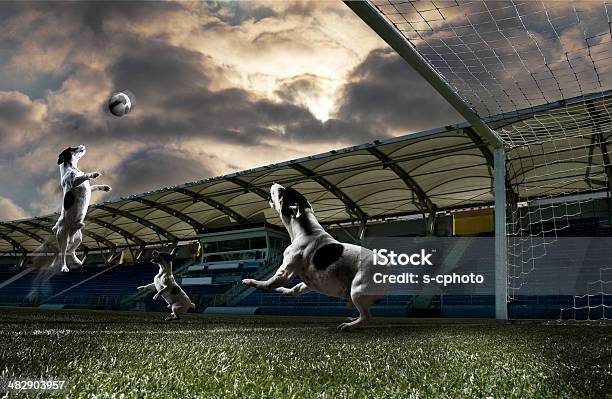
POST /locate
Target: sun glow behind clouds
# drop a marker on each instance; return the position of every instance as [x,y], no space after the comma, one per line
[322,108]
[264,53]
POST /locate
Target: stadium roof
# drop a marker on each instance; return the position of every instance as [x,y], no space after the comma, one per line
[435,170]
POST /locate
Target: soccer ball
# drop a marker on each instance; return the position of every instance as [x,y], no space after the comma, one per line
[120,104]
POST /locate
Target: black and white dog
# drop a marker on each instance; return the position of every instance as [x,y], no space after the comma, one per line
[323,264]
[77,193]
[167,288]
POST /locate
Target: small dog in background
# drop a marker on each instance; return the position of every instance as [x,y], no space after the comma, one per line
[167,287]
[77,193]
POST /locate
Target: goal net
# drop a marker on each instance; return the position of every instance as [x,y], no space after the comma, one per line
[539,74]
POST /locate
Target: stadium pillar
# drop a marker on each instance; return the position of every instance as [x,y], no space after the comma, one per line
[85,253]
[110,258]
[363,225]
[501,267]
[23,259]
[174,247]
[140,252]
[430,228]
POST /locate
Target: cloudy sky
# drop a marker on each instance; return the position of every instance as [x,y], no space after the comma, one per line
[219,87]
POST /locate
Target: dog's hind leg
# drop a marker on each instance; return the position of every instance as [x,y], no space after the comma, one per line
[350,305]
[180,309]
[172,317]
[176,310]
[76,241]
[62,241]
[362,303]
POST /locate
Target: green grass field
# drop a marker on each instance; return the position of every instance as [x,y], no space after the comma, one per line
[105,354]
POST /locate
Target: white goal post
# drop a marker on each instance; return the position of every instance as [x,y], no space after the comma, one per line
[399,43]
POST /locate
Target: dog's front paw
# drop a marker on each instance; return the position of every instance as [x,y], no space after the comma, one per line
[94,175]
[155,297]
[248,281]
[106,188]
[140,287]
[65,269]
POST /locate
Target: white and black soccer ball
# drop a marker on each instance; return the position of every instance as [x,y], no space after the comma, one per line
[120,104]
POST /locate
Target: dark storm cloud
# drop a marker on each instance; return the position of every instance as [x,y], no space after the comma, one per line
[20,119]
[13,112]
[173,101]
[72,127]
[291,90]
[173,96]
[182,95]
[385,91]
[300,8]
[157,70]
[231,116]
[332,130]
[88,15]
[76,27]
[154,167]
[305,128]
[82,25]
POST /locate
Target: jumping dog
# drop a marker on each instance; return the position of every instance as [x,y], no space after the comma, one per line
[167,287]
[323,264]
[76,195]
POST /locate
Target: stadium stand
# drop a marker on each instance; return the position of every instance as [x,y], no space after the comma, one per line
[106,290]
[226,257]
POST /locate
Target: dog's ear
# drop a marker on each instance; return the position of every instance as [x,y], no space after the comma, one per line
[65,156]
[297,210]
[293,203]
